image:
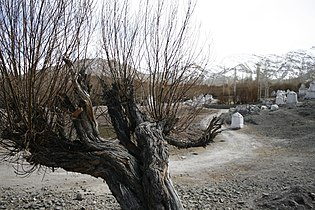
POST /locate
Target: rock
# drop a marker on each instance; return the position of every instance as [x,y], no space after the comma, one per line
[274,107]
[79,197]
[265,194]
[264,108]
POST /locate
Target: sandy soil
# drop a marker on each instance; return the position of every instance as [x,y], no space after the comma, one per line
[269,164]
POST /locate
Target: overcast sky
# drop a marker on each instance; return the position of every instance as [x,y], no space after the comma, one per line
[257,26]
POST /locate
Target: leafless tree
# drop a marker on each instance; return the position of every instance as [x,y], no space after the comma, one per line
[33,41]
[46,107]
[159,40]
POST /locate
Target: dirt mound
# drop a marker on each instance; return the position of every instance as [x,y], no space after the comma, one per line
[297,197]
[296,124]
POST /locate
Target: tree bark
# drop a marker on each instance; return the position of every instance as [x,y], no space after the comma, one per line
[161,193]
[135,167]
[149,147]
[204,140]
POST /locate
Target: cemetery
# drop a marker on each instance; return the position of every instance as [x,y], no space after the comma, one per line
[252,140]
[126,105]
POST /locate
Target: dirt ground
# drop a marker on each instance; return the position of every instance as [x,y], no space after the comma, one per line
[268,164]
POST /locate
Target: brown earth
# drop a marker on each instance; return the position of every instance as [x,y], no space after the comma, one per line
[269,164]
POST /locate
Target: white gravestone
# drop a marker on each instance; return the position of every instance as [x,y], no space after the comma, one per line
[280,98]
[292,98]
[237,121]
[310,94]
[302,90]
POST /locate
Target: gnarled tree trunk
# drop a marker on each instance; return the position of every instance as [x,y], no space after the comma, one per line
[135,167]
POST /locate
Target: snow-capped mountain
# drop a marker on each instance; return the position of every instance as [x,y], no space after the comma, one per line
[293,64]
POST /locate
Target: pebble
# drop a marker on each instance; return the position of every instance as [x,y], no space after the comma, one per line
[265,194]
[229,194]
[52,198]
[79,197]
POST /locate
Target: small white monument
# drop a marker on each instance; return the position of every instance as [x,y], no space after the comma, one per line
[280,98]
[208,98]
[292,98]
[237,121]
[302,90]
[310,94]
